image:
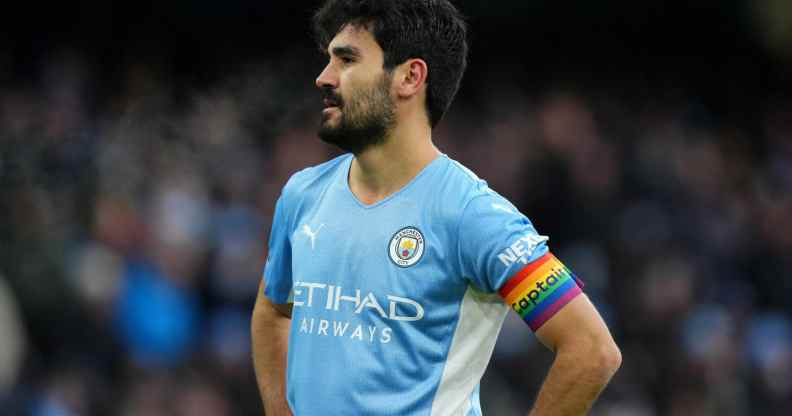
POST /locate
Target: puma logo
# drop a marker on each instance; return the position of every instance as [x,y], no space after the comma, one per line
[306,229]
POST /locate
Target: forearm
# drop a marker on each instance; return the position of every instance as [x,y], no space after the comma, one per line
[574,382]
[270,337]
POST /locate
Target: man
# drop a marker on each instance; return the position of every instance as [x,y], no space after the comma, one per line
[388,266]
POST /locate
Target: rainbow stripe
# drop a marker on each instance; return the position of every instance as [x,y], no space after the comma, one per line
[540,290]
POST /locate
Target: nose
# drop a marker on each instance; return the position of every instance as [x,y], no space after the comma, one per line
[328,78]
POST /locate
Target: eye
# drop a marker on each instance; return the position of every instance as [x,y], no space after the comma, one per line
[346,60]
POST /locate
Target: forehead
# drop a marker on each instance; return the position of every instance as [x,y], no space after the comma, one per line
[356,36]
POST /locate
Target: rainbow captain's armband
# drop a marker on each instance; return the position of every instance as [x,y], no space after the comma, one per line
[540,290]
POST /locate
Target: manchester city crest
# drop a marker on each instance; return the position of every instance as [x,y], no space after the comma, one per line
[406,247]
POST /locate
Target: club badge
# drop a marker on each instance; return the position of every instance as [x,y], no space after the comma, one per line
[406,247]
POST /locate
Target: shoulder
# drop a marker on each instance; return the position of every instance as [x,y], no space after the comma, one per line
[462,187]
[473,203]
[452,191]
[306,186]
[312,178]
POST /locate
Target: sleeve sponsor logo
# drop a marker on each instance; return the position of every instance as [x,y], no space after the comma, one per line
[521,250]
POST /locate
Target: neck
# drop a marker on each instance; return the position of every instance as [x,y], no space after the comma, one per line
[382,170]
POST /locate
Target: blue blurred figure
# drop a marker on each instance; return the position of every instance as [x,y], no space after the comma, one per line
[157,320]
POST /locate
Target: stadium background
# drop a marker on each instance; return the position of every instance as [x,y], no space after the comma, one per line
[143,146]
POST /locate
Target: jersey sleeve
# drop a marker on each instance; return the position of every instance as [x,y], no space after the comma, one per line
[501,252]
[277,270]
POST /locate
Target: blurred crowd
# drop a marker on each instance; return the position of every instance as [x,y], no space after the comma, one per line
[134,226]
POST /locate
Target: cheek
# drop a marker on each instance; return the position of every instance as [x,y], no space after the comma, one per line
[348,87]
[356,79]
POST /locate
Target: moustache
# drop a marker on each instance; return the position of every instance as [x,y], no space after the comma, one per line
[331,98]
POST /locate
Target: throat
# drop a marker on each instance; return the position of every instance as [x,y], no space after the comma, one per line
[373,179]
[370,199]
[371,189]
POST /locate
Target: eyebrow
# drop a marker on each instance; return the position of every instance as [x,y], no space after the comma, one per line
[346,50]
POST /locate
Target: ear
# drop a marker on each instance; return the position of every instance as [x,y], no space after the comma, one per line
[411,77]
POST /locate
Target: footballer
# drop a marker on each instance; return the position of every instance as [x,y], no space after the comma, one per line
[392,267]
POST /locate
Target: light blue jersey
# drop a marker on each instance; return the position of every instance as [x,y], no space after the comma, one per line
[396,304]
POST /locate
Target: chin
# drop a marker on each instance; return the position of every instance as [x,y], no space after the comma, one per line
[330,120]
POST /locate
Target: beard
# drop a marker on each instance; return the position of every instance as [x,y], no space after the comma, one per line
[367,117]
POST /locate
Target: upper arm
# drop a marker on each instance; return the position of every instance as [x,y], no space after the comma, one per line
[263,303]
[578,323]
[277,276]
[500,251]
[495,241]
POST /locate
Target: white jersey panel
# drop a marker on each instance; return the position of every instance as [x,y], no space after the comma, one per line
[480,319]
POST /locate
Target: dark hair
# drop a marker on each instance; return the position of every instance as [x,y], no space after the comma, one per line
[432,30]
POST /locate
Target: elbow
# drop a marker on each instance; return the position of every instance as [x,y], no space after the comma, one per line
[594,360]
[607,360]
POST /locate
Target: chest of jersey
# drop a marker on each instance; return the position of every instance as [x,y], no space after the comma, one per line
[381,307]
[380,264]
